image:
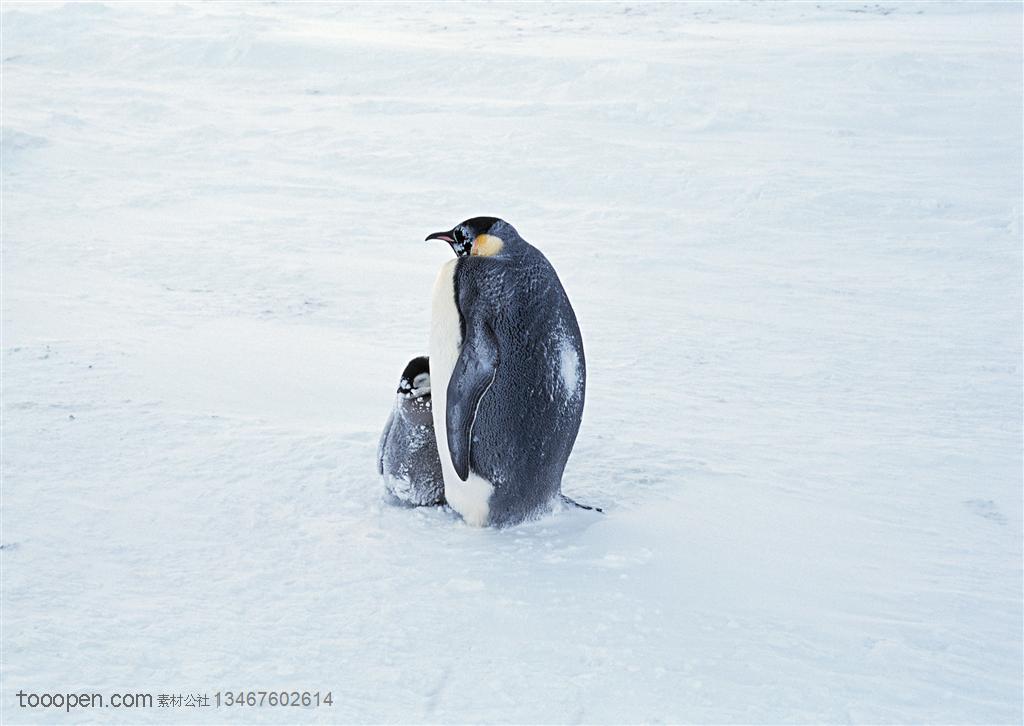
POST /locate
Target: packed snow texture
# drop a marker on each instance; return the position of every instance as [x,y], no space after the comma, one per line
[792,236]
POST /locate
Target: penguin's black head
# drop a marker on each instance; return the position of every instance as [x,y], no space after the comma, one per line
[477,236]
[415,381]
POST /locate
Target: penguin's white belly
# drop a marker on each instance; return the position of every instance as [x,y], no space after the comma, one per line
[470,498]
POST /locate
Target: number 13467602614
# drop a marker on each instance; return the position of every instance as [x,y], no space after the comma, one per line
[300,699]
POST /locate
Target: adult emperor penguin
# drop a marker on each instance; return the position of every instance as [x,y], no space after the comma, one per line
[407,457]
[508,371]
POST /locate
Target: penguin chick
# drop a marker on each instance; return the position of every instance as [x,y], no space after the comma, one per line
[407,458]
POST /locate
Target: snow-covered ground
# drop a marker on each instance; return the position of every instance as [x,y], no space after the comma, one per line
[792,235]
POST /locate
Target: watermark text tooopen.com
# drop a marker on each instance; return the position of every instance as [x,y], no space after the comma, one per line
[68,701]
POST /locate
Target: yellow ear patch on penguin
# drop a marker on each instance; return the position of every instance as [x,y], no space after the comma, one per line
[487,245]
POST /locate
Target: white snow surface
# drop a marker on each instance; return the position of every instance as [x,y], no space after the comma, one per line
[792,236]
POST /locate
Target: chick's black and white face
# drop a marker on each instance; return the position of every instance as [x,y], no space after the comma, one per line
[416,387]
[415,380]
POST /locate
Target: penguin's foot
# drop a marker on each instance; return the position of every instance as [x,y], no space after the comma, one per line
[574,503]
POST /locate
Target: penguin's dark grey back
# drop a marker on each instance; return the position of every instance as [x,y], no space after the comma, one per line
[528,419]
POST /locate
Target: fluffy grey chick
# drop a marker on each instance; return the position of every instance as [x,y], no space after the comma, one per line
[407,458]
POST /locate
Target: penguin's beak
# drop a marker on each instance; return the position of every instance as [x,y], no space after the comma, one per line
[446,236]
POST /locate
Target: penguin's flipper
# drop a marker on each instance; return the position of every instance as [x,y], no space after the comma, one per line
[473,375]
[383,443]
